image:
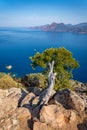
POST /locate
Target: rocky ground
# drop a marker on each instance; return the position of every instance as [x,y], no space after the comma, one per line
[19,110]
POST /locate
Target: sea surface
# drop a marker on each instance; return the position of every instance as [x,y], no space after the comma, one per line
[18,44]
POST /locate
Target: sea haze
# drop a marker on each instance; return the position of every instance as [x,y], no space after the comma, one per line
[17,44]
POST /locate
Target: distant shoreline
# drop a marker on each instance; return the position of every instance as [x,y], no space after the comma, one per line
[61,27]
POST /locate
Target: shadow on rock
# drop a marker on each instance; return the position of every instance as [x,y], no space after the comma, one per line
[82,126]
[23,94]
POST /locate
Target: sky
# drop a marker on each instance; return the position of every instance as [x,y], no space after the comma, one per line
[26,13]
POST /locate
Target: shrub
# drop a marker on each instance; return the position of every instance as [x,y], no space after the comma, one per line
[36,80]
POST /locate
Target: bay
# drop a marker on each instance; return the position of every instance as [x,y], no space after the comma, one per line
[17,44]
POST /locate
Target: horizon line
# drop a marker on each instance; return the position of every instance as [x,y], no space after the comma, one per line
[41,25]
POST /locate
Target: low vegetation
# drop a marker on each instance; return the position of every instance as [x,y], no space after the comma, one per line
[36,80]
[6,81]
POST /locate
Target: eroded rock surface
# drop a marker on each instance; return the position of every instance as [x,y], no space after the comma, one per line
[11,116]
[21,111]
[58,117]
[70,100]
[17,120]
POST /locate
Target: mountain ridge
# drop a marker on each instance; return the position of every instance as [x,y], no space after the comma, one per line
[61,27]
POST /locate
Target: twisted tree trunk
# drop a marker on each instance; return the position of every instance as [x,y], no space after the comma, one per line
[48,94]
[51,83]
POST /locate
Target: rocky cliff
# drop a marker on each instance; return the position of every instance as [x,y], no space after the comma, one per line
[19,110]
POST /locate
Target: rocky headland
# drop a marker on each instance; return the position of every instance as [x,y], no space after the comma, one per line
[61,27]
[20,110]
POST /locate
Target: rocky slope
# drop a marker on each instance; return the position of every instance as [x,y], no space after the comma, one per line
[19,110]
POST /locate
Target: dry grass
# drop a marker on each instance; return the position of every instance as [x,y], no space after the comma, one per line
[7,82]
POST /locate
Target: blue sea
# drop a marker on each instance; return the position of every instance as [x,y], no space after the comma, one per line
[18,44]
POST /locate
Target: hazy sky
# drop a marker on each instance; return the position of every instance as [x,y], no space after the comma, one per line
[40,12]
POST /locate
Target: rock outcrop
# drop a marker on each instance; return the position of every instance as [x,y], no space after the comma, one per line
[13,117]
[20,110]
[70,100]
[59,118]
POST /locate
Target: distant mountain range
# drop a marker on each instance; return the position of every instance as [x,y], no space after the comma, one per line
[61,27]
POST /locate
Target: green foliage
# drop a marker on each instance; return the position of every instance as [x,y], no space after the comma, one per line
[37,80]
[64,64]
